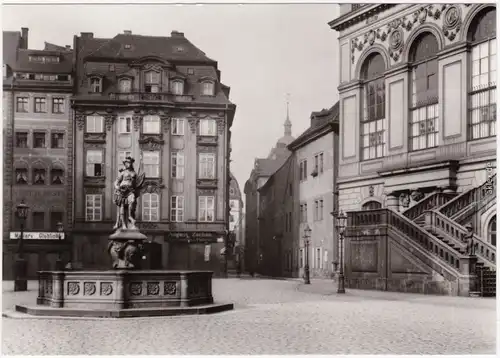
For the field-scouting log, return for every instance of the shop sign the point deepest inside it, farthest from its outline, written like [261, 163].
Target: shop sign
[28, 235]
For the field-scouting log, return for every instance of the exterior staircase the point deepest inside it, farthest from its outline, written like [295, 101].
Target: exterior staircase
[443, 215]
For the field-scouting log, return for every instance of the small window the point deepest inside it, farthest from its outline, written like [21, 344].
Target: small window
[39, 140]
[151, 124]
[177, 165]
[177, 87]
[94, 163]
[208, 127]
[57, 176]
[207, 88]
[93, 207]
[21, 176]
[39, 176]
[177, 208]
[22, 104]
[58, 105]
[111, 68]
[94, 124]
[177, 126]
[95, 85]
[128, 46]
[125, 124]
[126, 85]
[150, 207]
[57, 140]
[190, 71]
[63, 77]
[40, 105]
[21, 140]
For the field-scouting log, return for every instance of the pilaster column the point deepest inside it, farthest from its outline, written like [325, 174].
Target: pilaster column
[392, 202]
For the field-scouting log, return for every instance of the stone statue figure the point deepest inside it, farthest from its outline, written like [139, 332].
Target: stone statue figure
[127, 191]
[126, 244]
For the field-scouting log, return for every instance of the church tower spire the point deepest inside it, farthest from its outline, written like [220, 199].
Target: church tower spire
[288, 123]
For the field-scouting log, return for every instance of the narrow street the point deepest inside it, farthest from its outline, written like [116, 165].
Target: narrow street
[270, 317]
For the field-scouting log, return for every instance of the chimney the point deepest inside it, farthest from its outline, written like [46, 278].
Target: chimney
[176, 34]
[68, 47]
[24, 37]
[87, 35]
[127, 32]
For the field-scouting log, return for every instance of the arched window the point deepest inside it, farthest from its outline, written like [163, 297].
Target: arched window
[21, 173]
[150, 207]
[177, 87]
[424, 111]
[492, 231]
[371, 205]
[152, 82]
[482, 105]
[39, 173]
[207, 88]
[373, 135]
[95, 84]
[57, 174]
[125, 85]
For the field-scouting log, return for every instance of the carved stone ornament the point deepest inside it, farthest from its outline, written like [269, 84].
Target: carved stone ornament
[106, 288]
[417, 195]
[73, 288]
[193, 122]
[80, 121]
[396, 44]
[89, 288]
[153, 288]
[220, 126]
[109, 122]
[152, 186]
[452, 22]
[165, 121]
[170, 288]
[136, 288]
[371, 190]
[137, 122]
[405, 200]
[96, 138]
[151, 142]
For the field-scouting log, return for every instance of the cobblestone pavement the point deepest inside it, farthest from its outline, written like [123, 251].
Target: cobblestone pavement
[270, 317]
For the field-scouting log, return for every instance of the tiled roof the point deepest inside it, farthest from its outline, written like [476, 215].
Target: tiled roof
[64, 66]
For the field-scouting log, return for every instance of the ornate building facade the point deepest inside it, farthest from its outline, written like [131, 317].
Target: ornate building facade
[418, 133]
[161, 101]
[236, 219]
[38, 151]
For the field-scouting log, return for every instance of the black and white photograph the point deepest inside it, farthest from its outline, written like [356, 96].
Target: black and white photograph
[249, 178]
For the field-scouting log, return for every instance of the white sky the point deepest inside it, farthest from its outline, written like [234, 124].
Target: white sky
[263, 51]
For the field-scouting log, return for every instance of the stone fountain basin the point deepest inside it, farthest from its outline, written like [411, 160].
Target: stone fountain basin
[124, 293]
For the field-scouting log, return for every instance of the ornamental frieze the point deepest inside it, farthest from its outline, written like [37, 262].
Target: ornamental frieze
[94, 138]
[151, 142]
[447, 17]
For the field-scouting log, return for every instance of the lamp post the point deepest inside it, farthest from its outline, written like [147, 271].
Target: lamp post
[59, 262]
[20, 281]
[307, 235]
[341, 224]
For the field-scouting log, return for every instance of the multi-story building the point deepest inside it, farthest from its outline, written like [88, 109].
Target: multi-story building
[418, 143]
[236, 218]
[38, 151]
[159, 100]
[316, 155]
[262, 170]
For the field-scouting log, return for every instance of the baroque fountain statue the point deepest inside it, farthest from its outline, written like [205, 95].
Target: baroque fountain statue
[126, 244]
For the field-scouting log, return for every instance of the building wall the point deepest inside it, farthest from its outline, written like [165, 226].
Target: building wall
[395, 173]
[322, 248]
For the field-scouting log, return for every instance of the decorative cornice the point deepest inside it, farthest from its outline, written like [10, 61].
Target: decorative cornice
[206, 183]
[151, 142]
[356, 16]
[94, 138]
[207, 140]
[354, 84]
[96, 182]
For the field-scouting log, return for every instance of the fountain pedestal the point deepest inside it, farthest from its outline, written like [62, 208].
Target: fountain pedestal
[126, 248]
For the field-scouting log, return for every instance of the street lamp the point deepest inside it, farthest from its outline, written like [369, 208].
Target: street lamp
[341, 224]
[59, 263]
[307, 235]
[20, 281]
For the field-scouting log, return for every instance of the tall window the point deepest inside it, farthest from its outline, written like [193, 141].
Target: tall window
[124, 124]
[57, 140]
[177, 87]
[22, 104]
[21, 176]
[21, 140]
[424, 110]
[39, 176]
[94, 163]
[177, 208]
[206, 208]
[177, 165]
[93, 207]
[371, 205]
[94, 124]
[319, 163]
[39, 140]
[207, 165]
[207, 88]
[151, 124]
[208, 127]
[150, 207]
[492, 231]
[177, 126]
[40, 105]
[373, 123]
[57, 105]
[125, 85]
[482, 99]
[152, 82]
[151, 163]
[96, 85]
[303, 170]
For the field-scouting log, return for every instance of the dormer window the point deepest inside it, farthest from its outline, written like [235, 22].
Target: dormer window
[177, 87]
[96, 85]
[207, 88]
[125, 85]
[152, 82]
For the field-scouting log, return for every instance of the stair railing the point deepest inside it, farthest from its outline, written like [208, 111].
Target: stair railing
[415, 233]
[430, 202]
[474, 195]
[447, 226]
